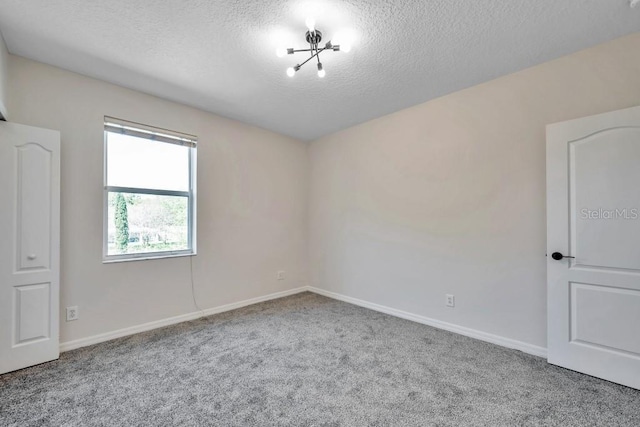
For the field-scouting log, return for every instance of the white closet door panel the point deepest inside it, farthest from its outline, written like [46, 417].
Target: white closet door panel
[34, 206]
[30, 247]
[32, 305]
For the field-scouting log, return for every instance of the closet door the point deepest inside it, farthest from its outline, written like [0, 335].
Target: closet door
[29, 245]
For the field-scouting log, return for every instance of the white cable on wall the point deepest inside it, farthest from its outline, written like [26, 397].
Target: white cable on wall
[193, 290]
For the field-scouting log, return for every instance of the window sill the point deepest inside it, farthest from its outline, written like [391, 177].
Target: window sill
[147, 257]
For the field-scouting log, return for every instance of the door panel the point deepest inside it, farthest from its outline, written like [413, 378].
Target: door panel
[603, 174]
[592, 324]
[33, 216]
[593, 214]
[30, 248]
[31, 311]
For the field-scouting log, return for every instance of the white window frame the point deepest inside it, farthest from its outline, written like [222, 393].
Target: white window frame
[112, 124]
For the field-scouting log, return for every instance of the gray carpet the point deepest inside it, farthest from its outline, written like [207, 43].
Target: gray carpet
[307, 360]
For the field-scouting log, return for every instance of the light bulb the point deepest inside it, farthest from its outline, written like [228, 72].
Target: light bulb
[344, 39]
[310, 23]
[321, 71]
[291, 72]
[281, 51]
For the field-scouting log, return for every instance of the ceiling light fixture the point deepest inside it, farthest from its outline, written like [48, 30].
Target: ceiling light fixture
[313, 37]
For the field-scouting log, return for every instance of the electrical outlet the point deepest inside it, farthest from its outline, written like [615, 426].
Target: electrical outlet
[451, 300]
[72, 313]
[280, 275]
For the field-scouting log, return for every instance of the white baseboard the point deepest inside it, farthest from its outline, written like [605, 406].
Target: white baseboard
[107, 336]
[473, 333]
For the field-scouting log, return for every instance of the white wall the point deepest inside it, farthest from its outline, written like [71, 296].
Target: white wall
[449, 196]
[252, 201]
[4, 70]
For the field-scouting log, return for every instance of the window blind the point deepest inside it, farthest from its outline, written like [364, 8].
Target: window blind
[148, 132]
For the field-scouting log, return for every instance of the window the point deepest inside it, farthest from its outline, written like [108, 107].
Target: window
[149, 192]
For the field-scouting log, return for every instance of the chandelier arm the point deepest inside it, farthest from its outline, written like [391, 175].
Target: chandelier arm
[312, 50]
[312, 46]
[311, 57]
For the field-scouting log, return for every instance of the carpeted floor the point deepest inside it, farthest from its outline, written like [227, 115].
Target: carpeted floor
[307, 360]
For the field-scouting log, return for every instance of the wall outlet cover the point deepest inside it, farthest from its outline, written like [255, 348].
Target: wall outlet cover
[72, 313]
[450, 300]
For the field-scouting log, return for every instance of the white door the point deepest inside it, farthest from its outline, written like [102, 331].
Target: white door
[593, 214]
[29, 245]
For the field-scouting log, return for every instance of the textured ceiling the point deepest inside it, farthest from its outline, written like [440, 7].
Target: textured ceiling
[219, 55]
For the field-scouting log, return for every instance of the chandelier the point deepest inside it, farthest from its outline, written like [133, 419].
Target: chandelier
[313, 37]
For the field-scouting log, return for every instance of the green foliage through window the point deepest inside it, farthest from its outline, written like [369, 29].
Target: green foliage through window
[122, 223]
